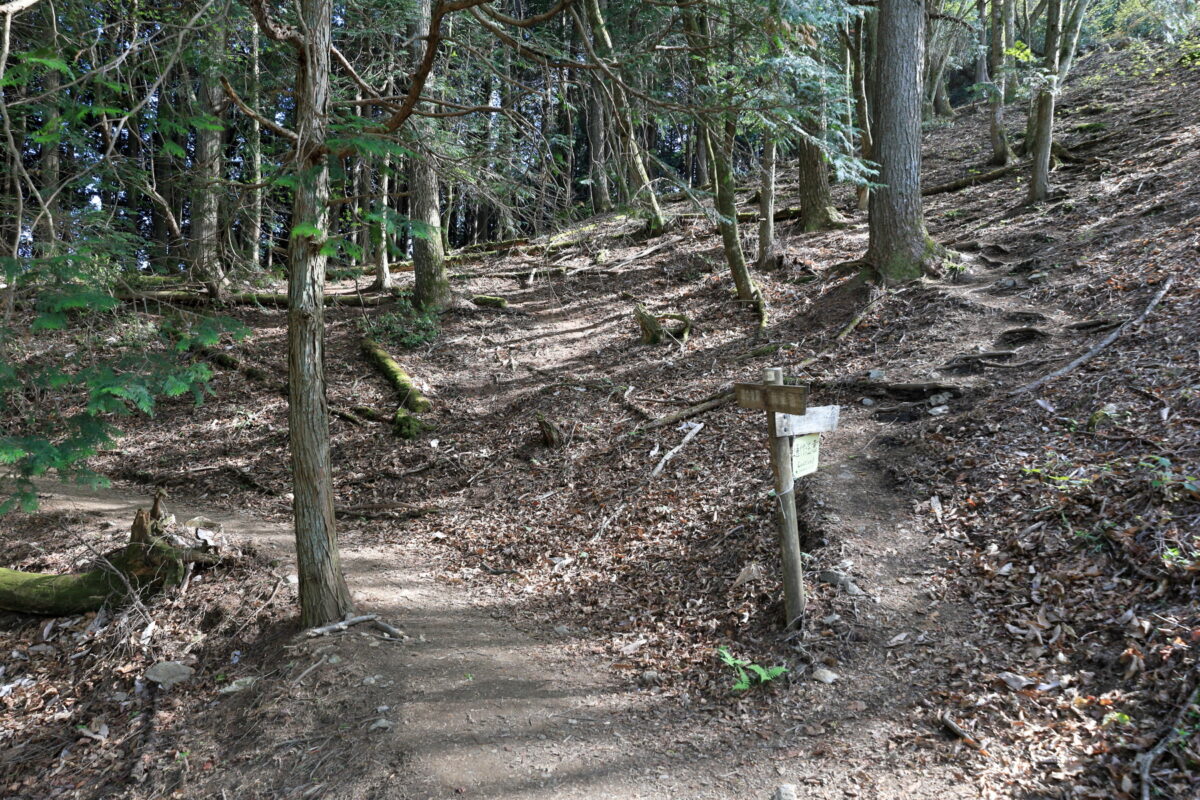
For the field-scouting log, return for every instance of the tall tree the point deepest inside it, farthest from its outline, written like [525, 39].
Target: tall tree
[899, 248]
[1001, 150]
[431, 289]
[1039, 179]
[324, 595]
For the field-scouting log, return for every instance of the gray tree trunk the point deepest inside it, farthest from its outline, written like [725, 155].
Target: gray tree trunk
[254, 215]
[900, 249]
[597, 143]
[768, 255]
[1039, 180]
[206, 205]
[324, 595]
[1070, 39]
[1001, 151]
[431, 289]
[640, 188]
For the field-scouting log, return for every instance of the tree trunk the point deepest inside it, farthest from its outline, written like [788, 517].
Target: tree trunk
[601, 200]
[703, 180]
[431, 290]
[816, 202]
[858, 52]
[726, 204]
[1070, 39]
[768, 256]
[324, 596]
[900, 249]
[1001, 151]
[49, 171]
[640, 188]
[1039, 181]
[206, 206]
[254, 216]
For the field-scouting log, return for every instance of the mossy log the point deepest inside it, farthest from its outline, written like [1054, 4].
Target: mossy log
[410, 396]
[653, 331]
[489, 301]
[147, 563]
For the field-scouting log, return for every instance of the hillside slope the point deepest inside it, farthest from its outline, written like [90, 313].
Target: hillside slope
[1020, 564]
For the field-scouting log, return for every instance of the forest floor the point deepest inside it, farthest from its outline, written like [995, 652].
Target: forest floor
[1019, 564]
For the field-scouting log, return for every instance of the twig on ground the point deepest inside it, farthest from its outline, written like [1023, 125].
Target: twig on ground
[671, 453]
[961, 733]
[1147, 759]
[340, 626]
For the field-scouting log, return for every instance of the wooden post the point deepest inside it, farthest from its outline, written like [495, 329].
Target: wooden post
[789, 528]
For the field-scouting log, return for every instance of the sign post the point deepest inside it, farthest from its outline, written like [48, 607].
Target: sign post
[788, 416]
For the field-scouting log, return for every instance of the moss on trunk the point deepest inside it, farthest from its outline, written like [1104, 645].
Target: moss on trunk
[147, 563]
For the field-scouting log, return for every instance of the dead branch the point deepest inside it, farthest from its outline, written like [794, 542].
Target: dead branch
[1105, 342]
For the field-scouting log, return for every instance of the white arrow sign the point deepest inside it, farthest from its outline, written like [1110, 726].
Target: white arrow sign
[818, 419]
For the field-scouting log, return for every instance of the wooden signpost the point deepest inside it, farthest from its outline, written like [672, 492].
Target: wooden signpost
[788, 416]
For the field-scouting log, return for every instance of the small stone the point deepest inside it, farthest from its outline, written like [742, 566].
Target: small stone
[868, 402]
[824, 675]
[562, 630]
[940, 399]
[875, 374]
[334, 659]
[650, 677]
[785, 791]
[239, 684]
[381, 725]
[168, 673]
[938, 411]
[1006, 283]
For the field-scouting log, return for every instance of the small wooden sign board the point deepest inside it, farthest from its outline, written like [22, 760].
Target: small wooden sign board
[806, 452]
[767, 397]
[817, 419]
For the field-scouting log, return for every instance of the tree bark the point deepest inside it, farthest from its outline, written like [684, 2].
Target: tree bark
[431, 290]
[862, 112]
[726, 204]
[597, 138]
[900, 249]
[206, 206]
[768, 256]
[1001, 150]
[324, 595]
[254, 215]
[1039, 180]
[1070, 39]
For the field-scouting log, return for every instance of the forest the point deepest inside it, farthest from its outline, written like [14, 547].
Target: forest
[560, 399]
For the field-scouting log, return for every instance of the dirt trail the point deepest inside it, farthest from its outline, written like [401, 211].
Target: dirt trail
[487, 703]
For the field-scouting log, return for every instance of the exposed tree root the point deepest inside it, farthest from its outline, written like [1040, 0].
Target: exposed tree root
[653, 331]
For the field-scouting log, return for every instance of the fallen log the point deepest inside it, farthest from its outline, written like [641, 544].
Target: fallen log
[489, 301]
[970, 180]
[267, 299]
[147, 563]
[410, 396]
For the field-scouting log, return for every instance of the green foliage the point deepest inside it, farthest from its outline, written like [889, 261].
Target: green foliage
[405, 327]
[747, 673]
